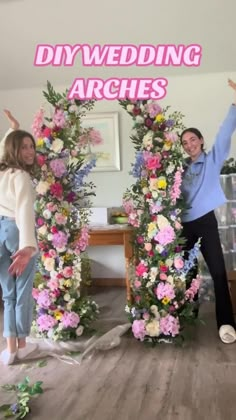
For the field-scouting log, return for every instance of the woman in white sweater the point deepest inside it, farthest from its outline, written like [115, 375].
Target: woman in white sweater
[18, 246]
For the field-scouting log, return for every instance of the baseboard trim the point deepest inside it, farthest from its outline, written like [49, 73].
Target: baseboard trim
[120, 282]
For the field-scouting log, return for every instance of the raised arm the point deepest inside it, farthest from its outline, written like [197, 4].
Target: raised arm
[14, 125]
[221, 148]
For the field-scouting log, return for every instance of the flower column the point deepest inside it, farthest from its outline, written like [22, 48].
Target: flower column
[62, 209]
[161, 302]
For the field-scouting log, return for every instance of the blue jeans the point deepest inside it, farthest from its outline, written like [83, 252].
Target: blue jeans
[16, 291]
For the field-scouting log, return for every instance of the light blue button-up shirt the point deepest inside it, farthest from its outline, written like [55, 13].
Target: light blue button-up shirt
[201, 187]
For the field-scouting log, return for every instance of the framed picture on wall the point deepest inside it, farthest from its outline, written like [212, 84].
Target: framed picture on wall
[104, 142]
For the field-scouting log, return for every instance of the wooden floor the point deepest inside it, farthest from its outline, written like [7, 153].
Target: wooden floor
[136, 382]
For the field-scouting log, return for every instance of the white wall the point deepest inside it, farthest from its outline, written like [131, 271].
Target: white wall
[203, 98]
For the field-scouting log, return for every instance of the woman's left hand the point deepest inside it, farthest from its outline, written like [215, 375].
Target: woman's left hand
[232, 84]
[20, 260]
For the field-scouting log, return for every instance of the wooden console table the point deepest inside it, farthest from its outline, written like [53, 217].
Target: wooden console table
[115, 236]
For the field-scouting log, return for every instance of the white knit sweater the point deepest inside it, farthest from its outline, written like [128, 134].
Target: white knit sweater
[17, 201]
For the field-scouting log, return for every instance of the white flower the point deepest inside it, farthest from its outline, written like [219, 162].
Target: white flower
[47, 214]
[49, 264]
[42, 187]
[159, 248]
[154, 194]
[130, 107]
[79, 331]
[67, 297]
[139, 119]
[57, 145]
[42, 230]
[127, 309]
[170, 168]
[153, 328]
[50, 236]
[145, 190]
[169, 262]
[170, 280]
[162, 221]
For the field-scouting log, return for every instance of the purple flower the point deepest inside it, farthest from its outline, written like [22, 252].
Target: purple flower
[58, 167]
[71, 197]
[148, 122]
[59, 239]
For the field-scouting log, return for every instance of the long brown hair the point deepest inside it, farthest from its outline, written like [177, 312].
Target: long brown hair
[11, 153]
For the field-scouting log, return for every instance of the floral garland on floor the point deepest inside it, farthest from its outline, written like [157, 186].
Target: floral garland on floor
[62, 211]
[162, 290]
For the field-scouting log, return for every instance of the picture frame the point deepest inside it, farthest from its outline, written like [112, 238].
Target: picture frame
[108, 152]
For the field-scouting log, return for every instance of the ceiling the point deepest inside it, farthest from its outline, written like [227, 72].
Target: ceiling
[26, 23]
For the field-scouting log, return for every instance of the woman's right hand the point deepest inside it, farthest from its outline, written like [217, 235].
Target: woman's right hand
[20, 260]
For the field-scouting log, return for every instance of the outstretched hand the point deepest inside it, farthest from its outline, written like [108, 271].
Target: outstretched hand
[14, 124]
[232, 84]
[20, 260]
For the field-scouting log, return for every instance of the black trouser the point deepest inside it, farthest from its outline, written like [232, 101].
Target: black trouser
[206, 228]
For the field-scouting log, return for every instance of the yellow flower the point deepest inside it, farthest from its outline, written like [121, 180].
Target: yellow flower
[152, 229]
[160, 118]
[40, 142]
[65, 212]
[68, 283]
[165, 300]
[162, 184]
[57, 315]
[167, 145]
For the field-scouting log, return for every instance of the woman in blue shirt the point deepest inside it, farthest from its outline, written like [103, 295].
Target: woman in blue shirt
[203, 193]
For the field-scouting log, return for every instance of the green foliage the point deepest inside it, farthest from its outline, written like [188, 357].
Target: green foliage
[24, 392]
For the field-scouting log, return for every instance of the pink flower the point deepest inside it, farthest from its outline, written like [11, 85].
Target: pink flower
[40, 221]
[141, 269]
[38, 123]
[46, 322]
[163, 276]
[165, 290]
[35, 293]
[140, 239]
[44, 299]
[67, 272]
[58, 167]
[153, 109]
[70, 319]
[52, 253]
[153, 162]
[175, 190]
[59, 239]
[137, 284]
[59, 118]
[41, 160]
[56, 190]
[60, 219]
[53, 284]
[138, 329]
[178, 263]
[171, 136]
[148, 246]
[82, 243]
[165, 236]
[169, 325]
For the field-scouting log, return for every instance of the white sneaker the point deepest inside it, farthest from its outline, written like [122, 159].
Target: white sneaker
[7, 358]
[26, 351]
